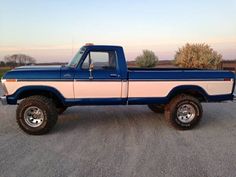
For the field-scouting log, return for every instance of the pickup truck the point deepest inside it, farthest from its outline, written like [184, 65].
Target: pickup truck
[98, 75]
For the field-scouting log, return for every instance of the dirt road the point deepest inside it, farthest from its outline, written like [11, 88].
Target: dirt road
[121, 141]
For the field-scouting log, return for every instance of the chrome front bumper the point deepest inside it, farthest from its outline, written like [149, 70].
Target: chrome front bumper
[3, 100]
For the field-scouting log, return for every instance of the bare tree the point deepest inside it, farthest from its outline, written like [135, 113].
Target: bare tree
[19, 59]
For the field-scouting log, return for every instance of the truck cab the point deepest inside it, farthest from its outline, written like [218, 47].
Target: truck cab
[99, 74]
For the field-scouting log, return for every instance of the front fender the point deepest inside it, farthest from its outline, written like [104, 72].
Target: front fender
[34, 90]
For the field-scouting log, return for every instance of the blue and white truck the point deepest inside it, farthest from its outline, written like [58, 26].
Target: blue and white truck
[98, 75]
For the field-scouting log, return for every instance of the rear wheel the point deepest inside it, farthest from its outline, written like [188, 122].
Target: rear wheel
[157, 108]
[36, 115]
[183, 112]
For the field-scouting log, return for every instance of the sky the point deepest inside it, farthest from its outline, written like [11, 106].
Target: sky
[53, 30]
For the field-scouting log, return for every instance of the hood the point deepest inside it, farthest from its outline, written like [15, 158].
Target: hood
[34, 72]
[54, 67]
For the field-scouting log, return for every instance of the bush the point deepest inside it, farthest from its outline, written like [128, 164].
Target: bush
[147, 59]
[197, 56]
[2, 64]
[3, 70]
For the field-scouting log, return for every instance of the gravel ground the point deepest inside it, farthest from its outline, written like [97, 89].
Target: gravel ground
[121, 141]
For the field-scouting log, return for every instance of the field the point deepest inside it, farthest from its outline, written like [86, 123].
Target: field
[3, 70]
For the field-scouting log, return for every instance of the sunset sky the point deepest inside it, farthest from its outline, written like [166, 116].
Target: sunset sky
[53, 30]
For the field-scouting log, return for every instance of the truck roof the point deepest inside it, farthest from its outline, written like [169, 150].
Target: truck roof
[102, 46]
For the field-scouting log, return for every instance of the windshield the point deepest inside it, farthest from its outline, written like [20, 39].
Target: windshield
[75, 60]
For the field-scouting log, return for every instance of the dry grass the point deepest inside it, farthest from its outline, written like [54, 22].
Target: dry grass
[3, 70]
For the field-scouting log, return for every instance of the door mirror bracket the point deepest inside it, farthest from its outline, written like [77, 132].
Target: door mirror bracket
[91, 66]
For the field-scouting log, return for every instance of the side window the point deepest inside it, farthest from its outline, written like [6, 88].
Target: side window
[101, 60]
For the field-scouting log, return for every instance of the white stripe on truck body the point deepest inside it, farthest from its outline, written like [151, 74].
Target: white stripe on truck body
[122, 89]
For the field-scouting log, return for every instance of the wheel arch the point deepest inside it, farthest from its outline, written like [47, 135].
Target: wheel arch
[192, 90]
[27, 91]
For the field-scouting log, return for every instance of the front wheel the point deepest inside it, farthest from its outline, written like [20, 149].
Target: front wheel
[36, 115]
[183, 112]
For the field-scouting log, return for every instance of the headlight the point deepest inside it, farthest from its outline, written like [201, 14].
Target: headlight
[4, 86]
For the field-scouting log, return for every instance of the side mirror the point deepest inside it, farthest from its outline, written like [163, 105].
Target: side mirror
[91, 66]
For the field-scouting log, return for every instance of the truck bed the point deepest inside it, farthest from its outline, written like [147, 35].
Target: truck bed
[161, 82]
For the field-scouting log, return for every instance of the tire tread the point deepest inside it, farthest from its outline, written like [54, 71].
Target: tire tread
[51, 110]
[170, 108]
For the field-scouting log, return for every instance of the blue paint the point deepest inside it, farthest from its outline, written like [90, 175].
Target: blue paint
[180, 75]
[12, 99]
[165, 100]
[121, 68]
[143, 101]
[178, 90]
[233, 89]
[219, 98]
[182, 89]
[36, 72]
[69, 74]
[95, 101]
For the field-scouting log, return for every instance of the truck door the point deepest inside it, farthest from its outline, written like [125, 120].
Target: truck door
[97, 79]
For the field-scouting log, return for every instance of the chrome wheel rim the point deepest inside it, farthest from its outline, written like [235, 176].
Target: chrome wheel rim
[34, 116]
[186, 113]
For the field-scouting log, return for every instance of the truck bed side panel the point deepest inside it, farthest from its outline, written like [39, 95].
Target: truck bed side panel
[154, 84]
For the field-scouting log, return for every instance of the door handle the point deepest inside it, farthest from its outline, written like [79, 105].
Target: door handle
[114, 75]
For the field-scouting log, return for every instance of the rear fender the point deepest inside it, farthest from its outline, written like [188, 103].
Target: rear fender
[187, 88]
